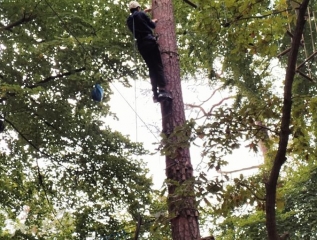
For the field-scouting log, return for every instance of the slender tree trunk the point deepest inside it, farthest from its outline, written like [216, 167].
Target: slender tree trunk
[280, 157]
[182, 207]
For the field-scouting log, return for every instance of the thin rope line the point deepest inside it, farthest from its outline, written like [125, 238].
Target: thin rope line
[135, 112]
[135, 83]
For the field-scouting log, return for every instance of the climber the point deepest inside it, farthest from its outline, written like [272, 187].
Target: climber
[142, 27]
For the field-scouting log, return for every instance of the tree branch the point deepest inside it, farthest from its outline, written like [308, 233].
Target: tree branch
[25, 138]
[42, 118]
[213, 93]
[239, 170]
[240, 17]
[190, 3]
[21, 21]
[218, 104]
[200, 105]
[280, 157]
[207, 114]
[197, 106]
[34, 146]
[208, 238]
[252, 192]
[50, 78]
[284, 236]
[264, 16]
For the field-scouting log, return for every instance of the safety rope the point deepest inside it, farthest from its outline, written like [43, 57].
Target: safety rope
[135, 83]
[136, 113]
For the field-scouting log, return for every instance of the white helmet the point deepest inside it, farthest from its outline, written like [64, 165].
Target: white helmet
[134, 4]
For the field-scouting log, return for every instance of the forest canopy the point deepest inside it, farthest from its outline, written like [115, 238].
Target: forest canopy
[65, 173]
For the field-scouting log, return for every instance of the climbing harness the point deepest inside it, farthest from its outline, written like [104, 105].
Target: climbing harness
[135, 82]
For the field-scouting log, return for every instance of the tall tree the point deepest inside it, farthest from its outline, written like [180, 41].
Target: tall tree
[179, 171]
[281, 157]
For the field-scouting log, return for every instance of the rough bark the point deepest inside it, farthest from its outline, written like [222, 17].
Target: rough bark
[182, 208]
[280, 157]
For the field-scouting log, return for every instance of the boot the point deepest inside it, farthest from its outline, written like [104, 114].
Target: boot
[163, 95]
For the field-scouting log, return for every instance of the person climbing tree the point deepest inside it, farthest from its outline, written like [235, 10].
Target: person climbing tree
[142, 27]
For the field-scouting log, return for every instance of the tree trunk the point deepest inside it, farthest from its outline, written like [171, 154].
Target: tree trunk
[280, 157]
[182, 207]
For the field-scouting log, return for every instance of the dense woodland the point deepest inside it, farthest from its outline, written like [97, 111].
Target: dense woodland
[65, 174]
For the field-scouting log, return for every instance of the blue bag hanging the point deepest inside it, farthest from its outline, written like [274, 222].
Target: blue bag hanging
[97, 93]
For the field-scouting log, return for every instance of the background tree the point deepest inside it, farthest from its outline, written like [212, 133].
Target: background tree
[245, 37]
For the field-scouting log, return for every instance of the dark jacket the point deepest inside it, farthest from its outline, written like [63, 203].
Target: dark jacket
[143, 25]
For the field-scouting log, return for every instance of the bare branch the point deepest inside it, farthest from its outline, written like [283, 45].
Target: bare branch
[284, 52]
[197, 106]
[218, 104]
[252, 192]
[206, 114]
[305, 76]
[306, 60]
[213, 93]
[239, 170]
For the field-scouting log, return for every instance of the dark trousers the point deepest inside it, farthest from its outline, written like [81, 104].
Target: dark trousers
[150, 52]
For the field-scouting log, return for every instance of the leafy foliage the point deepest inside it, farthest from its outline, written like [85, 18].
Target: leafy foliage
[295, 216]
[71, 175]
[239, 43]
[61, 166]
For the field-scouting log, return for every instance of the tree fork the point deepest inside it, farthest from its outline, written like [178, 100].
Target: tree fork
[179, 170]
[280, 157]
